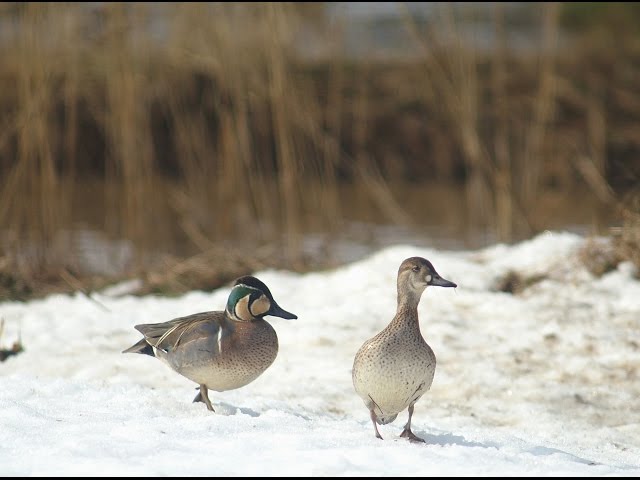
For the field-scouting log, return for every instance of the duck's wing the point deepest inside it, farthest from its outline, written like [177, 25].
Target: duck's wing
[168, 335]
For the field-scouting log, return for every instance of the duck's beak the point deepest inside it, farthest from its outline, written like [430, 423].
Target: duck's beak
[438, 281]
[276, 311]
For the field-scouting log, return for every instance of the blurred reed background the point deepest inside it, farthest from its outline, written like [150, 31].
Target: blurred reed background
[188, 143]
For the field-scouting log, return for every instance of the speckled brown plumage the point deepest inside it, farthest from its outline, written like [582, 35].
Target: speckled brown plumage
[223, 354]
[220, 350]
[392, 370]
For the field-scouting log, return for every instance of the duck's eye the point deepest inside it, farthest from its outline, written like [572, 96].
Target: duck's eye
[416, 268]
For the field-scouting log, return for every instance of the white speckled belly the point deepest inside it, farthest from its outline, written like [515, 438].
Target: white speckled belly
[393, 374]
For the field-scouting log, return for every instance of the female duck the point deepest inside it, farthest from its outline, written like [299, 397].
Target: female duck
[392, 370]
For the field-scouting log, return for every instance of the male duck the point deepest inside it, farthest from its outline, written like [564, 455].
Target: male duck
[221, 350]
[392, 370]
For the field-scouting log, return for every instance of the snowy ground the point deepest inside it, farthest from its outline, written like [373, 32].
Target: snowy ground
[544, 382]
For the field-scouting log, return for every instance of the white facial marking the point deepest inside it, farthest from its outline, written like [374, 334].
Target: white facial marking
[260, 306]
[242, 309]
[428, 278]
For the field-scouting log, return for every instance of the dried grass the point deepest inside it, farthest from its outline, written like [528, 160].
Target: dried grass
[215, 132]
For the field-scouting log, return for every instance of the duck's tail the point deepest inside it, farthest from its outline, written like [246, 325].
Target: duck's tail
[141, 347]
[383, 420]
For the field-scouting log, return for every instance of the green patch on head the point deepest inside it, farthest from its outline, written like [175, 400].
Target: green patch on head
[238, 292]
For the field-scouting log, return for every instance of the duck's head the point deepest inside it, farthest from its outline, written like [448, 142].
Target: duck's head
[416, 273]
[250, 299]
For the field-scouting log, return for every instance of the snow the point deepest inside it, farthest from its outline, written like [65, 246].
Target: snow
[545, 381]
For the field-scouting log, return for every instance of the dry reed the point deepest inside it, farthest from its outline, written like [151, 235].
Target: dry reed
[205, 127]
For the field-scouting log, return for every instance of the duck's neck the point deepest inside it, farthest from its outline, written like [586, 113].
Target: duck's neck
[408, 297]
[407, 312]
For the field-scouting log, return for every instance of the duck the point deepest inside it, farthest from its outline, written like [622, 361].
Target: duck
[219, 350]
[395, 368]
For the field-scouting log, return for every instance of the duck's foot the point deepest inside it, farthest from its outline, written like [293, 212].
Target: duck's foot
[203, 396]
[406, 433]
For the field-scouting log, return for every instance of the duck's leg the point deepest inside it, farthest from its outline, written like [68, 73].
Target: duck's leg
[375, 424]
[203, 396]
[407, 433]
